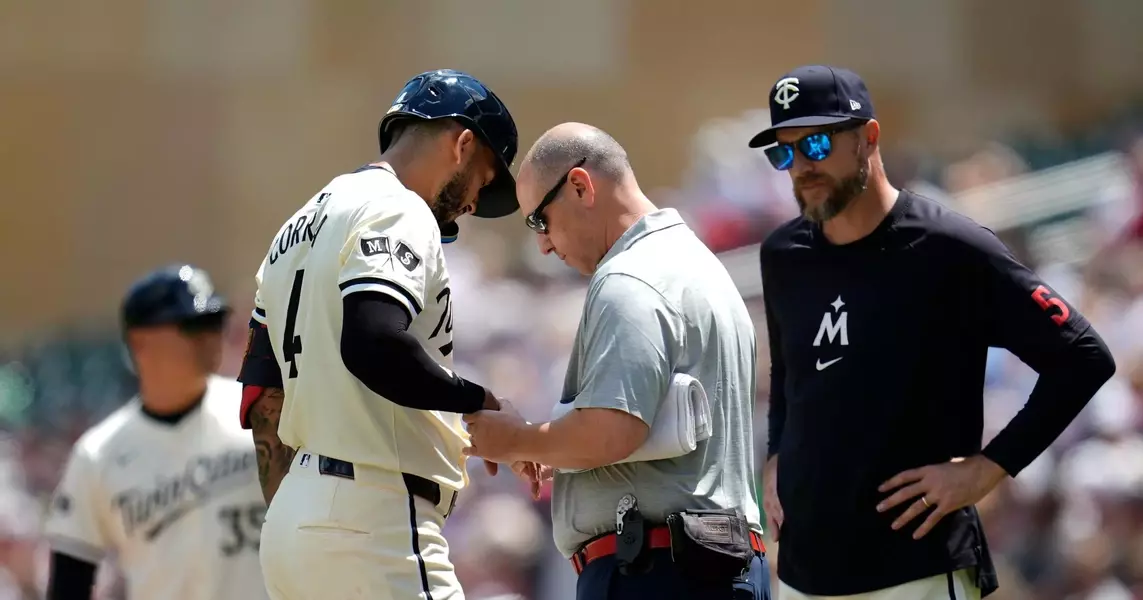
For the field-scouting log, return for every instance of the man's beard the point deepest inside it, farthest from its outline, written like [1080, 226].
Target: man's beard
[842, 194]
[447, 208]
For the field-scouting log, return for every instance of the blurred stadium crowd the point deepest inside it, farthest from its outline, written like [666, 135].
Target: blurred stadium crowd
[1069, 527]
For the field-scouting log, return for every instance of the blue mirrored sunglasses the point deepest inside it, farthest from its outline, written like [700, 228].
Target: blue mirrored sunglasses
[815, 146]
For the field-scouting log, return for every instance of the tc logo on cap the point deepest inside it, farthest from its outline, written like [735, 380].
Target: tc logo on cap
[786, 91]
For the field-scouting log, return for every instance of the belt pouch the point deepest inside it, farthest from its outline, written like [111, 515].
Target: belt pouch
[710, 545]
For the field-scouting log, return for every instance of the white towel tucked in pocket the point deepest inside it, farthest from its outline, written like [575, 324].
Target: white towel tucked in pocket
[682, 422]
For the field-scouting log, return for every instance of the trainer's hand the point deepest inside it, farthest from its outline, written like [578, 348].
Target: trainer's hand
[534, 473]
[770, 502]
[493, 434]
[943, 488]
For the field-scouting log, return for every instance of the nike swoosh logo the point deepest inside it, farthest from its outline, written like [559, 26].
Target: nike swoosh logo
[825, 365]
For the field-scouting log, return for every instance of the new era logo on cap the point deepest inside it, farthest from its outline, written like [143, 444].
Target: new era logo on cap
[812, 96]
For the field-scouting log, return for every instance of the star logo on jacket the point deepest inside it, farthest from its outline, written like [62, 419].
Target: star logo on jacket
[832, 330]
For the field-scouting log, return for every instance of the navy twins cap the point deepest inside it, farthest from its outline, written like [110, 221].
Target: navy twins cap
[815, 95]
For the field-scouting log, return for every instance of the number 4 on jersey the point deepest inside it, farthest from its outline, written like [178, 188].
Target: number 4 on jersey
[292, 344]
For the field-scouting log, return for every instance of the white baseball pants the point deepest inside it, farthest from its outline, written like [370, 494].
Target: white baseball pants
[331, 538]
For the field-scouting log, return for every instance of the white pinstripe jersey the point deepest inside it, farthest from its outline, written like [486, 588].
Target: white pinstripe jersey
[364, 231]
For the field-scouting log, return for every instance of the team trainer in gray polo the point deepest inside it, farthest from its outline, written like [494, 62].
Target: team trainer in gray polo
[659, 304]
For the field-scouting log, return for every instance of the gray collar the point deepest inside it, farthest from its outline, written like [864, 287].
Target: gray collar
[647, 224]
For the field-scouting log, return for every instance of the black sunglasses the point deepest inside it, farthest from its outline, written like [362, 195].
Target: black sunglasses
[815, 146]
[535, 220]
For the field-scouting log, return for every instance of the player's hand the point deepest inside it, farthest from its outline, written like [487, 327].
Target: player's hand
[534, 473]
[493, 434]
[770, 502]
[491, 402]
[507, 407]
[940, 489]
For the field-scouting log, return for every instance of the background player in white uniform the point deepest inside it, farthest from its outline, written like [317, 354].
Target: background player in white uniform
[166, 483]
[354, 313]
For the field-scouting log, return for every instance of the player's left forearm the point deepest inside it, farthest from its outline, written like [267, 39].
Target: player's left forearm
[274, 457]
[1061, 392]
[377, 348]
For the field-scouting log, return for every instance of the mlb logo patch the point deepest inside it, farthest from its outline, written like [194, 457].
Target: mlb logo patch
[305, 462]
[375, 246]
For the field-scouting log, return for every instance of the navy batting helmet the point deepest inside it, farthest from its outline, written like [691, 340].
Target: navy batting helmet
[449, 94]
[173, 295]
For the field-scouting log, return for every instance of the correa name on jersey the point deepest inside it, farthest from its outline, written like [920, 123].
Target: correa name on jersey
[305, 229]
[156, 508]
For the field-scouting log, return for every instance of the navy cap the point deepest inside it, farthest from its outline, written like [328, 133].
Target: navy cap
[815, 95]
[173, 294]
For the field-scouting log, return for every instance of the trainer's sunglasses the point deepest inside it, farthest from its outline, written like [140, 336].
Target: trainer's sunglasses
[815, 146]
[535, 220]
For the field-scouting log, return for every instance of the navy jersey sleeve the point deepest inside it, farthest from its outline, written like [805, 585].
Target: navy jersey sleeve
[1022, 314]
[777, 415]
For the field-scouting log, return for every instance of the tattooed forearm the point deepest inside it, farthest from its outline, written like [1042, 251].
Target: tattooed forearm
[274, 457]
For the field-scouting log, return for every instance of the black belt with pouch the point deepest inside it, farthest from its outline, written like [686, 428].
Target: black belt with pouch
[711, 545]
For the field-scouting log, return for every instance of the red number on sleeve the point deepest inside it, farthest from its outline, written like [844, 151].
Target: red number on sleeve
[1040, 296]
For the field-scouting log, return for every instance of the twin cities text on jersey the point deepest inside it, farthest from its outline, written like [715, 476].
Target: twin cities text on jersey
[305, 229]
[157, 507]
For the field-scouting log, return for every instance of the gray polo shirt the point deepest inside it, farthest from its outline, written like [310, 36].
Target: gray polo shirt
[661, 303]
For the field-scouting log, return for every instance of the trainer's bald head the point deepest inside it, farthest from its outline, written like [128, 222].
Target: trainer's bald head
[579, 217]
[564, 145]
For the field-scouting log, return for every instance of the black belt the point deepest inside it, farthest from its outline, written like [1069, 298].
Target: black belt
[417, 485]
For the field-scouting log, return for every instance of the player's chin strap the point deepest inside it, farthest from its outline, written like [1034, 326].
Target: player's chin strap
[449, 232]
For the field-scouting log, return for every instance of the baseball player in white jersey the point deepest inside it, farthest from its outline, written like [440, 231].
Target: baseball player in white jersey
[166, 484]
[348, 387]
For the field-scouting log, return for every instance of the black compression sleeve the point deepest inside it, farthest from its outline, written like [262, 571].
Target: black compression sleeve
[377, 348]
[71, 578]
